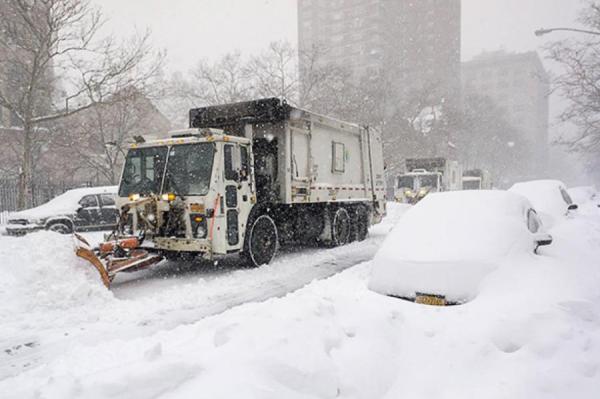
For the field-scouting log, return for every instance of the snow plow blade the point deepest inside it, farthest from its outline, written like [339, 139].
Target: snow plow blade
[84, 251]
[106, 261]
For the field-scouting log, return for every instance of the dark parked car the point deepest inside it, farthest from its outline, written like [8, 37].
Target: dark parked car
[81, 209]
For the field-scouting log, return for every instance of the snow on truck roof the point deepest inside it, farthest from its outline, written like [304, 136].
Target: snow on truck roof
[265, 110]
[66, 203]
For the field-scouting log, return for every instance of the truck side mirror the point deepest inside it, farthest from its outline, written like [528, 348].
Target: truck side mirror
[573, 207]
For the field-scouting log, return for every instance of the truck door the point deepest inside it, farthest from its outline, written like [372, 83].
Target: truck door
[238, 195]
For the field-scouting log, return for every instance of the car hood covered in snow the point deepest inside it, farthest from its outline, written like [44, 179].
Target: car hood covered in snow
[65, 204]
[448, 242]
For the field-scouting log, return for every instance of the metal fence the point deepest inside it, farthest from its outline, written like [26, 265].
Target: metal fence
[4, 216]
[42, 192]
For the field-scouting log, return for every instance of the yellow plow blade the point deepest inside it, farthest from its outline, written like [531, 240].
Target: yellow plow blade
[83, 250]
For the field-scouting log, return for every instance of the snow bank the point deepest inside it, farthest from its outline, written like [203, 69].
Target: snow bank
[582, 195]
[533, 332]
[40, 271]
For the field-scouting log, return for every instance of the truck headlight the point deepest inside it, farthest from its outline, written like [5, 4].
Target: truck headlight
[201, 232]
[423, 192]
[409, 193]
[134, 197]
[198, 223]
[168, 197]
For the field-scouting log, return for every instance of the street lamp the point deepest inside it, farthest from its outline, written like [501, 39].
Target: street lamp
[542, 32]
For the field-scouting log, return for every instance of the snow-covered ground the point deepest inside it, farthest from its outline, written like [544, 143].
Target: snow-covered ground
[533, 331]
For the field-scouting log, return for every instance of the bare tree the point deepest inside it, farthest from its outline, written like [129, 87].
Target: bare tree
[101, 133]
[579, 83]
[274, 73]
[209, 83]
[44, 42]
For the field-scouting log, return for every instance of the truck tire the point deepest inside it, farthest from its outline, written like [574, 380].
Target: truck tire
[340, 227]
[60, 227]
[361, 229]
[261, 243]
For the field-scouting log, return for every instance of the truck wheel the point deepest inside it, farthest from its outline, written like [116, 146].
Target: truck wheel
[60, 227]
[340, 227]
[362, 223]
[261, 243]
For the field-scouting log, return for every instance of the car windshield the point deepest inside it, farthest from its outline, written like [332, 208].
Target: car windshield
[428, 181]
[189, 169]
[406, 182]
[144, 168]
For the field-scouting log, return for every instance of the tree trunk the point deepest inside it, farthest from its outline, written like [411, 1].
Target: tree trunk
[25, 199]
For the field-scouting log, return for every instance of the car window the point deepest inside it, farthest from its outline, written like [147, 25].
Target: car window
[89, 201]
[566, 196]
[533, 221]
[107, 200]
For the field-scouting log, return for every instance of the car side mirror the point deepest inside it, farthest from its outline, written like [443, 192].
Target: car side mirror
[573, 207]
[542, 240]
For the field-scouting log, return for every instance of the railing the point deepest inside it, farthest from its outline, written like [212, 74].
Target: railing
[41, 193]
[4, 216]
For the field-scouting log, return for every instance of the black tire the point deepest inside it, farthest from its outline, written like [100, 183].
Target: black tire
[362, 223]
[340, 227]
[261, 243]
[60, 227]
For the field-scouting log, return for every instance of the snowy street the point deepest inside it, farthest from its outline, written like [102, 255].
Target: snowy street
[533, 330]
[60, 305]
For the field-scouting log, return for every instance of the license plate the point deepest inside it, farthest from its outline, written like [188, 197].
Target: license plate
[432, 300]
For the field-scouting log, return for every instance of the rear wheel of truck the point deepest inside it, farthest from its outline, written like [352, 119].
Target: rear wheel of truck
[340, 227]
[261, 243]
[361, 228]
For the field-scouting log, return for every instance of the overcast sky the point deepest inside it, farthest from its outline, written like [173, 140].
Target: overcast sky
[191, 29]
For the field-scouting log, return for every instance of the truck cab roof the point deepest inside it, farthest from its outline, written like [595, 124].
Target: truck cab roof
[189, 136]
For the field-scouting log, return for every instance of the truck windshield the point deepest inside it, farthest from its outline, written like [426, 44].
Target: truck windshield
[428, 181]
[406, 182]
[189, 169]
[143, 172]
[474, 184]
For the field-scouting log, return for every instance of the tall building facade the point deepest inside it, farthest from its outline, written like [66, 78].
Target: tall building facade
[518, 84]
[415, 43]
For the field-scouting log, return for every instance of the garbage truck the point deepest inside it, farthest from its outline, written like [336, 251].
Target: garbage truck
[243, 179]
[427, 175]
[477, 179]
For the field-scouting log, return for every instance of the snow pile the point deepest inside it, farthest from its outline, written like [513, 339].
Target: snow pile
[41, 272]
[449, 242]
[64, 204]
[533, 332]
[582, 195]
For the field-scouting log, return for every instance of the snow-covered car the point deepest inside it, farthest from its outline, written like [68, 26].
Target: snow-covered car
[81, 209]
[549, 197]
[584, 194]
[441, 249]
